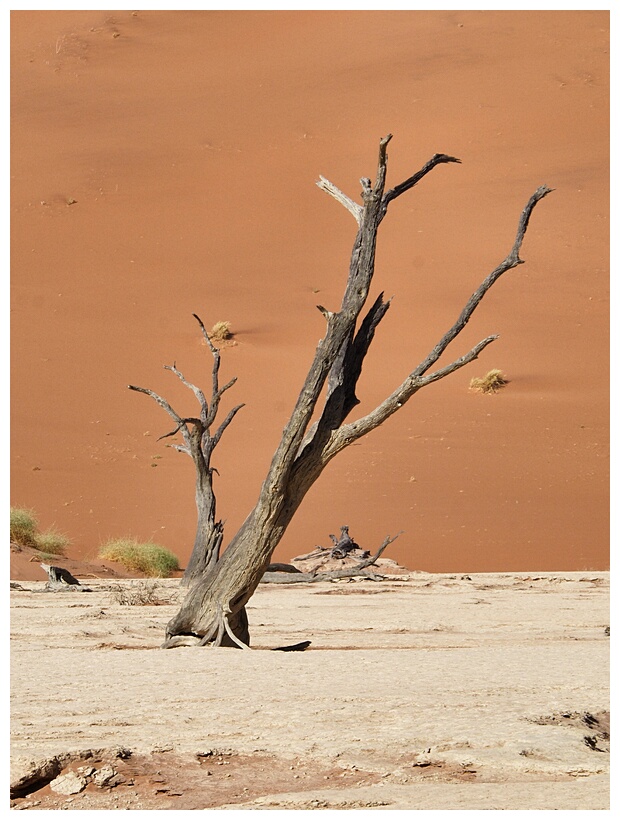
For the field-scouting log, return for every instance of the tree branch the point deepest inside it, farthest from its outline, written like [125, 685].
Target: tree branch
[382, 166]
[340, 330]
[351, 432]
[215, 391]
[342, 383]
[162, 402]
[456, 365]
[511, 261]
[220, 430]
[172, 432]
[180, 448]
[349, 204]
[437, 159]
[204, 407]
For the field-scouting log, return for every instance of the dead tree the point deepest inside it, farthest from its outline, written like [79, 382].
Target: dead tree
[214, 608]
[357, 570]
[199, 443]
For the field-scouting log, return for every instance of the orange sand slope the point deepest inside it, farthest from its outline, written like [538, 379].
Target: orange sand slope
[163, 163]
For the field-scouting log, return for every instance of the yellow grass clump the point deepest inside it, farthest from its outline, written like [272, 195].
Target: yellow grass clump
[491, 383]
[24, 526]
[52, 542]
[151, 559]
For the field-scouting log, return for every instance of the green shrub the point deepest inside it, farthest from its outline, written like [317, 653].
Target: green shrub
[23, 527]
[51, 542]
[151, 559]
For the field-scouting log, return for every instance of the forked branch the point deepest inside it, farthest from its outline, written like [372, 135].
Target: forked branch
[435, 160]
[416, 380]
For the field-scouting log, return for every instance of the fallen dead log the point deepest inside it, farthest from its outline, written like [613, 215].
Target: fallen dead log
[282, 568]
[358, 570]
[309, 578]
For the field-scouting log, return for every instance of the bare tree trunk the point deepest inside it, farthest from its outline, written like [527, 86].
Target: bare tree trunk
[214, 606]
[209, 531]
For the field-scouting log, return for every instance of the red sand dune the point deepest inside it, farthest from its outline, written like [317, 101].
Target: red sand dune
[163, 163]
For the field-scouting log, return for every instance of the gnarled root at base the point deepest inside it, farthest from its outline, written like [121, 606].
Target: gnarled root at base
[227, 629]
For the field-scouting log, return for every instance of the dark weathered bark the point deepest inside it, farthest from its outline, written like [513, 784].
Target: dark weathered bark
[343, 545]
[277, 567]
[216, 599]
[199, 443]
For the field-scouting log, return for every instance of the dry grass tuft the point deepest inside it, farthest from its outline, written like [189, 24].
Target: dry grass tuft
[52, 542]
[220, 332]
[491, 383]
[143, 593]
[25, 532]
[24, 526]
[151, 559]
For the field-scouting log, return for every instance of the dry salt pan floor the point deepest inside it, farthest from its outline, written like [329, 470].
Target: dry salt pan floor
[486, 691]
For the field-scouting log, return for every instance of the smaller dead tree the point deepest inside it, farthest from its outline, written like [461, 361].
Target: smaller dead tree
[200, 440]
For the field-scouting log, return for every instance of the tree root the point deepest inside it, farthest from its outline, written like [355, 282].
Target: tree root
[220, 633]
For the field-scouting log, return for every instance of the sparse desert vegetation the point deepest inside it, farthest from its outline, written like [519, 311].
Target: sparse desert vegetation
[221, 332]
[24, 527]
[151, 559]
[52, 542]
[141, 593]
[491, 383]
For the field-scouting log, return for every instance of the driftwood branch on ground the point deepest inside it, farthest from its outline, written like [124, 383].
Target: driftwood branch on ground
[357, 571]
